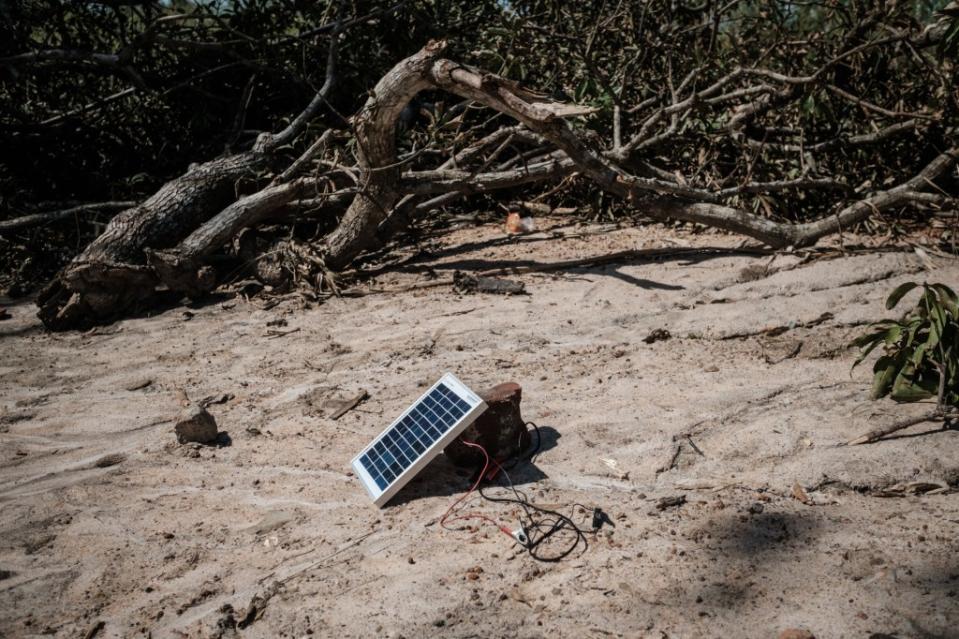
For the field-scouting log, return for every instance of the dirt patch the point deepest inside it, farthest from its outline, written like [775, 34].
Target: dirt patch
[104, 518]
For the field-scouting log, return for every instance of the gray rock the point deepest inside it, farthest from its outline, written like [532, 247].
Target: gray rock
[138, 383]
[195, 424]
[271, 521]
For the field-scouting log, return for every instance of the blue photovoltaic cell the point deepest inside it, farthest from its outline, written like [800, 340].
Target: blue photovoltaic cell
[400, 447]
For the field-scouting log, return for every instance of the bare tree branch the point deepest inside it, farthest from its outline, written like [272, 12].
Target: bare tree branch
[38, 219]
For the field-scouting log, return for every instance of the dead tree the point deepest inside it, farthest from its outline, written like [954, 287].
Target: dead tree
[111, 274]
[168, 238]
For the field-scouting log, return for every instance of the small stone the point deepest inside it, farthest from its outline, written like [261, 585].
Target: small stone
[109, 460]
[670, 502]
[137, 384]
[195, 424]
[657, 335]
[271, 521]
[756, 508]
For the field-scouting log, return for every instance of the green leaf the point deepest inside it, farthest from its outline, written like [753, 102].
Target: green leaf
[940, 312]
[885, 371]
[893, 334]
[914, 326]
[935, 333]
[868, 338]
[898, 293]
[904, 390]
[865, 353]
[918, 354]
[945, 292]
[948, 300]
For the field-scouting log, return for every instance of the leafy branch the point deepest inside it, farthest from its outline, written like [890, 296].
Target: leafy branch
[919, 359]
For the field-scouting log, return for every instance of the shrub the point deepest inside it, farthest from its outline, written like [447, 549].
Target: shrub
[920, 351]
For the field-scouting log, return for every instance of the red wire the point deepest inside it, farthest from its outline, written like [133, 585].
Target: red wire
[444, 519]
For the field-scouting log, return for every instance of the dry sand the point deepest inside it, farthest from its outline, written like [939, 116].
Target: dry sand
[108, 526]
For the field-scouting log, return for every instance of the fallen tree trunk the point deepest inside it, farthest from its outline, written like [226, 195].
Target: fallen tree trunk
[111, 274]
[661, 199]
[167, 238]
[375, 130]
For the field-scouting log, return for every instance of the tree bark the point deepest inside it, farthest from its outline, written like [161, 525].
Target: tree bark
[111, 274]
[166, 238]
[660, 198]
[375, 128]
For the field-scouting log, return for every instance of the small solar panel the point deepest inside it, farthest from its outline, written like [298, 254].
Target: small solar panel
[416, 437]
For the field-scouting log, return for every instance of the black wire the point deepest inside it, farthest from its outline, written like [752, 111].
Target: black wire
[530, 454]
[539, 531]
[539, 442]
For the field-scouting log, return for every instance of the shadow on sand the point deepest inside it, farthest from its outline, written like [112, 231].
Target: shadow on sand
[441, 478]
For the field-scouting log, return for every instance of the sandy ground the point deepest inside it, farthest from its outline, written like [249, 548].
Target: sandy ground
[109, 527]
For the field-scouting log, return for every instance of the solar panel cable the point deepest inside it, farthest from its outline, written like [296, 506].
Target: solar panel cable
[540, 528]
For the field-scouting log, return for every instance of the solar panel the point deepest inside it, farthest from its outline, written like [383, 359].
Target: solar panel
[416, 437]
